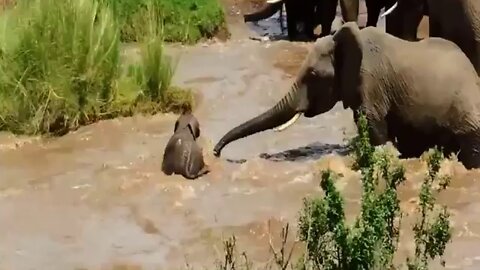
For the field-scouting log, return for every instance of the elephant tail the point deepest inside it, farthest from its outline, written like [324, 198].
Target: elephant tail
[266, 12]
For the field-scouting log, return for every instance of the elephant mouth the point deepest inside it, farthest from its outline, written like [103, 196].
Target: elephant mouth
[288, 123]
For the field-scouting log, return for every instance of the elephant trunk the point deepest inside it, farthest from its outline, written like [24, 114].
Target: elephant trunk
[266, 12]
[284, 113]
[349, 9]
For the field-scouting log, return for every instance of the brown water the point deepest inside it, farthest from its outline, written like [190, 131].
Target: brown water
[97, 199]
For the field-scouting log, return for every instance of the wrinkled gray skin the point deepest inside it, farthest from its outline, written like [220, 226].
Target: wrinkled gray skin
[410, 92]
[309, 12]
[455, 20]
[458, 21]
[182, 154]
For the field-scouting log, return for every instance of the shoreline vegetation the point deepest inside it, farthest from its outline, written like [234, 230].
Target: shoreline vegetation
[186, 21]
[61, 65]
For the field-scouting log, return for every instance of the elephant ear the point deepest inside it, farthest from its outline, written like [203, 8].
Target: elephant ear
[176, 126]
[194, 130]
[347, 62]
[194, 127]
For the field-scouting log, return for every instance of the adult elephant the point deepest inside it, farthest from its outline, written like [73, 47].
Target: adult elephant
[396, 83]
[402, 23]
[309, 12]
[373, 10]
[455, 20]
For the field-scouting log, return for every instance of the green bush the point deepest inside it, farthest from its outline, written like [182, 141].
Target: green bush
[60, 67]
[184, 20]
[371, 242]
[155, 71]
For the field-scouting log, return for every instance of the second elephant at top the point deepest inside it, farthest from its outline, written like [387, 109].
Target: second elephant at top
[310, 13]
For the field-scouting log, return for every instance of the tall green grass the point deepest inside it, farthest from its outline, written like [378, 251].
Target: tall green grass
[59, 60]
[60, 67]
[155, 71]
[185, 21]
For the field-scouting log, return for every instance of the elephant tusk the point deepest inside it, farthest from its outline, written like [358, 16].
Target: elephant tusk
[390, 10]
[273, 1]
[289, 123]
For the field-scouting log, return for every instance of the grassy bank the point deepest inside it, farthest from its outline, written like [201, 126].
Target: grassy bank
[60, 68]
[185, 21]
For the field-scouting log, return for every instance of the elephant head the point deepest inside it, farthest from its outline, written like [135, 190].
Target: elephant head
[330, 73]
[188, 121]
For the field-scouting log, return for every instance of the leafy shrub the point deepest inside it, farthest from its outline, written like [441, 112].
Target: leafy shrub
[371, 242]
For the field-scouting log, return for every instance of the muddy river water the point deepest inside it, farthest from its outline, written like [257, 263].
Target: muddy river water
[97, 199]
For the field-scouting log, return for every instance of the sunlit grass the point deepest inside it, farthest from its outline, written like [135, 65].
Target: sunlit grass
[60, 67]
[185, 20]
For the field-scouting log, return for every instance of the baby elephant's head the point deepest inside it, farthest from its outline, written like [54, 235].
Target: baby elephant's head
[188, 121]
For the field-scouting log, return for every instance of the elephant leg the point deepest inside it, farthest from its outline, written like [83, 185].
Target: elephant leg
[292, 28]
[349, 9]
[310, 22]
[327, 15]
[435, 29]
[378, 132]
[411, 19]
[470, 150]
[305, 11]
[377, 128]
[412, 144]
[281, 19]
[373, 11]
[394, 22]
[292, 20]
[413, 35]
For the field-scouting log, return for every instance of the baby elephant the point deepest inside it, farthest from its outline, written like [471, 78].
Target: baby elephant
[182, 154]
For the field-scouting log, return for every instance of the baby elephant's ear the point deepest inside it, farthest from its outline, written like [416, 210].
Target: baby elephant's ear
[176, 126]
[194, 127]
